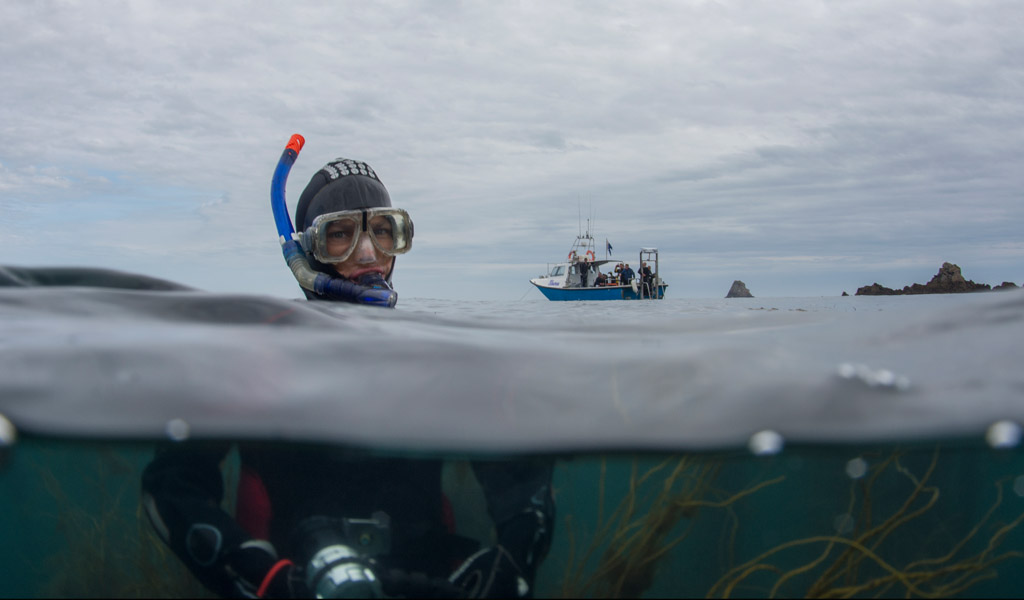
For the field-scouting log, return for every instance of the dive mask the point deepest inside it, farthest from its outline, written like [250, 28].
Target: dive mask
[332, 237]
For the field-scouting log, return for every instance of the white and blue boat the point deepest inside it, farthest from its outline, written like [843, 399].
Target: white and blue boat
[583, 276]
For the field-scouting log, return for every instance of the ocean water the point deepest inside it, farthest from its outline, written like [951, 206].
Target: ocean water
[704, 447]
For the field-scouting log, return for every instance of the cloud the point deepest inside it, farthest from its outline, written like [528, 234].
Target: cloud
[13, 181]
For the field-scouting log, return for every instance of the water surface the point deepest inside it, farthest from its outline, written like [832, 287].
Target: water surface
[726, 447]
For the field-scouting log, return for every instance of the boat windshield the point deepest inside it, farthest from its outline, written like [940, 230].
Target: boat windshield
[558, 270]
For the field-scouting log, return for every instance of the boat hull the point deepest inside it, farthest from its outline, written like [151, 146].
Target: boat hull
[610, 292]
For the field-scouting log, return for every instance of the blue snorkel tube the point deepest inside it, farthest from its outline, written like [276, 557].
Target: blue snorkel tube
[335, 288]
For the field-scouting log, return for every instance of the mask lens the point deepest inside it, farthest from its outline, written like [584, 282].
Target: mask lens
[382, 228]
[390, 230]
[339, 236]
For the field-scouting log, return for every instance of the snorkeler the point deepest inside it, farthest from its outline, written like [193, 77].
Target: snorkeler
[329, 522]
[349, 229]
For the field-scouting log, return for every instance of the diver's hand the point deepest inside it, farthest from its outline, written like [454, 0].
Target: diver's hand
[491, 573]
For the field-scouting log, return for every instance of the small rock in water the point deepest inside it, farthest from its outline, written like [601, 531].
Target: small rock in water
[739, 290]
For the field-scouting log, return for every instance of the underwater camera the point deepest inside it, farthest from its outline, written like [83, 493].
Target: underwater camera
[338, 554]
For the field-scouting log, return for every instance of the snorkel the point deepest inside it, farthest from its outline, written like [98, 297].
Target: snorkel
[371, 289]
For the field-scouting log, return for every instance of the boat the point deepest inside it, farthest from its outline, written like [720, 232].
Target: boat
[577, 278]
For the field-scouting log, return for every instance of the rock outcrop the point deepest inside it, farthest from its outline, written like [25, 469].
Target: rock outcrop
[876, 289]
[948, 280]
[1006, 285]
[739, 290]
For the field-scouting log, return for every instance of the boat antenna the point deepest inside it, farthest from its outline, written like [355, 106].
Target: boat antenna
[579, 216]
[593, 217]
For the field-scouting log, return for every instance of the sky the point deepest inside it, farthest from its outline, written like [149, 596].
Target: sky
[804, 147]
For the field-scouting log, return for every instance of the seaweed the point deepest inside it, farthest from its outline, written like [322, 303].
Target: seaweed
[637, 537]
[896, 539]
[104, 544]
[856, 565]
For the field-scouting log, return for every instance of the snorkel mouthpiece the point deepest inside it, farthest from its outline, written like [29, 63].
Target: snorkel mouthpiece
[371, 289]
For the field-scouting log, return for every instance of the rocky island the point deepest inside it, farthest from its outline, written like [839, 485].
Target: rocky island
[949, 280]
[739, 290]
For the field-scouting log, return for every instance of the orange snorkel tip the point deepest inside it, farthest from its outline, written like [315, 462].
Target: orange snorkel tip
[295, 143]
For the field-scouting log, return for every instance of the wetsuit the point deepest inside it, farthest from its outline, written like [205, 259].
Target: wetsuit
[647, 277]
[282, 486]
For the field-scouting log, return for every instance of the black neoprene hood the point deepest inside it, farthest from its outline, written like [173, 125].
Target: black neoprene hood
[342, 184]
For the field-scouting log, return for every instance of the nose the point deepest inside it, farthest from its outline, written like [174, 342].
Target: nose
[365, 251]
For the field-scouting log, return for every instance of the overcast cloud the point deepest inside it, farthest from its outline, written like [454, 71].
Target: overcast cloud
[805, 147]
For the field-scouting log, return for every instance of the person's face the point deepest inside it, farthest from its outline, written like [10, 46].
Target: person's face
[365, 258]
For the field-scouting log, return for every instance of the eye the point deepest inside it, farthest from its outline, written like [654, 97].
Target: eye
[381, 228]
[339, 232]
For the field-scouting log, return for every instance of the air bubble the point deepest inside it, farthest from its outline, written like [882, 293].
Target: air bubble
[766, 443]
[883, 378]
[8, 434]
[857, 468]
[1003, 434]
[1018, 486]
[178, 430]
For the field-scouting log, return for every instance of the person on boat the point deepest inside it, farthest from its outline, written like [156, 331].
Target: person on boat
[583, 268]
[647, 277]
[626, 275]
[601, 279]
[327, 521]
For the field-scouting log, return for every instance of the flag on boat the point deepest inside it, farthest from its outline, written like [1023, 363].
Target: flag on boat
[609, 246]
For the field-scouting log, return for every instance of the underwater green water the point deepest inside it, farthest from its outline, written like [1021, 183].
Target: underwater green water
[873, 520]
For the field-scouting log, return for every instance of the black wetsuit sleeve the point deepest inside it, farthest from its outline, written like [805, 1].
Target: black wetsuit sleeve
[521, 504]
[182, 491]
